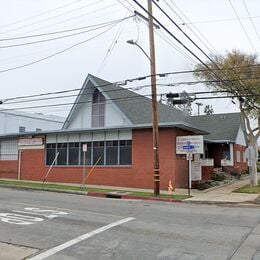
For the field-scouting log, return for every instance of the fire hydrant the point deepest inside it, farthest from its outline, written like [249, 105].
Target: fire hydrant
[170, 188]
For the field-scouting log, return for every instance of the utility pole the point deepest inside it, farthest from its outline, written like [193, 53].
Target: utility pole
[199, 104]
[156, 170]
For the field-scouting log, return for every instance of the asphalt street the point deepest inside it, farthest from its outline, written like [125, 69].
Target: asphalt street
[48, 225]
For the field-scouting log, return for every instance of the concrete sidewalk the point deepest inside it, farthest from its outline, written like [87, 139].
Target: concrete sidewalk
[224, 194]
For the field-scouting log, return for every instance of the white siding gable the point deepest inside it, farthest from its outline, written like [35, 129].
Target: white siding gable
[240, 137]
[82, 114]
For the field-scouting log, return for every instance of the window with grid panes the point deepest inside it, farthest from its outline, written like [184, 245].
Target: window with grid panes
[111, 152]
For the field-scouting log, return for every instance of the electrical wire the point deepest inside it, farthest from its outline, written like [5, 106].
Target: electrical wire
[219, 20]
[112, 45]
[43, 13]
[199, 32]
[212, 61]
[121, 99]
[96, 27]
[56, 32]
[72, 18]
[242, 26]
[50, 18]
[124, 82]
[251, 19]
[187, 83]
[57, 53]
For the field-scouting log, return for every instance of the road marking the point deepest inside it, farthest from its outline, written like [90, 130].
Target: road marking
[76, 240]
[42, 212]
[18, 219]
[67, 209]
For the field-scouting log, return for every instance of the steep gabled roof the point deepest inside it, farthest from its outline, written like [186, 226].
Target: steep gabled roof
[222, 127]
[136, 108]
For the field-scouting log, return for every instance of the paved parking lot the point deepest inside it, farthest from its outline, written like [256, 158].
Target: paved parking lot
[46, 225]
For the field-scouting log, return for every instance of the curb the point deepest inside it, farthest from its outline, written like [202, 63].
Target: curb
[91, 194]
[123, 196]
[126, 196]
[42, 189]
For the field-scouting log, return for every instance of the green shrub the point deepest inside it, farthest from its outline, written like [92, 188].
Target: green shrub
[219, 176]
[236, 174]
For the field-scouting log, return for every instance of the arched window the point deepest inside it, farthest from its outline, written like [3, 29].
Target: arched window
[98, 109]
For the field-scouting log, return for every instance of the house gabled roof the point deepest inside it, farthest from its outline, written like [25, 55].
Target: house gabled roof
[222, 127]
[135, 107]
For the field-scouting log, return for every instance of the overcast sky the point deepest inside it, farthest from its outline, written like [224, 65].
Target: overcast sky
[105, 52]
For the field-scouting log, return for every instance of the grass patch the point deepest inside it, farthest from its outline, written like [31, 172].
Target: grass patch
[246, 189]
[149, 194]
[49, 186]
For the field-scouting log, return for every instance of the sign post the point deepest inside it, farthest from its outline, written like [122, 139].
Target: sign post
[189, 158]
[189, 145]
[84, 149]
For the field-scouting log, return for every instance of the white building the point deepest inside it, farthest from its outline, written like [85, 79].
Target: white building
[21, 122]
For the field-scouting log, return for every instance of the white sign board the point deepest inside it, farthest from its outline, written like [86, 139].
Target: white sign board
[30, 141]
[189, 143]
[84, 147]
[195, 171]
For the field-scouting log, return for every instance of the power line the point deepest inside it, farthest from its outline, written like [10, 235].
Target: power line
[106, 91]
[43, 13]
[50, 18]
[242, 26]
[212, 61]
[205, 39]
[57, 53]
[72, 18]
[97, 27]
[124, 82]
[121, 99]
[251, 19]
[219, 20]
[58, 32]
[183, 45]
[112, 45]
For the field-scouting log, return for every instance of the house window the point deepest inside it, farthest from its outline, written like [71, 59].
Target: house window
[73, 153]
[112, 153]
[244, 157]
[98, 109]
[98, 152]
[50, 153]
[62, 157]
[21, 129]
[238, 156]
[125, 152]
[8, 149]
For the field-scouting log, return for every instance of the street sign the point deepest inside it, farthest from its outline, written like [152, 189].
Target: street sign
[189, 143]
[84, 147]
[188, 147]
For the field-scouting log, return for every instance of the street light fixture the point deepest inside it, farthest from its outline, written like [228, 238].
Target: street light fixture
[132, 42]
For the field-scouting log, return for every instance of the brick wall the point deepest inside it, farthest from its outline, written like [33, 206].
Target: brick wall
[239, 166]
[9, 169]
[140, 175]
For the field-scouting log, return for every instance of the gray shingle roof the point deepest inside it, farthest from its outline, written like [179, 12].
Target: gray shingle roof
[137, 107]
[220, 126]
